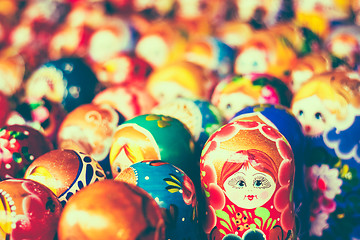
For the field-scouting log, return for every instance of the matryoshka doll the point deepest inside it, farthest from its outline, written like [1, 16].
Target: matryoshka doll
[282, 119]
[234, 93]
[247, 174]
[153, 137]
[173, 190]
[20, 145]
[29, 210]
[266, 52]
[89, 128]
[111, 210]
[180, 79]
[328, 107]
[68, 81]
[65, 172]
[201, 117]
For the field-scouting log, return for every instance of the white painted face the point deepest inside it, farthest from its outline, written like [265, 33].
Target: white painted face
[252, 60]
[164, 91]
[153, 49]
[249, 188]
[313, 115]
[230, 104]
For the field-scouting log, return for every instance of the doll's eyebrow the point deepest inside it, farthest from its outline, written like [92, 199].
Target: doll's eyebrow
[262, 174]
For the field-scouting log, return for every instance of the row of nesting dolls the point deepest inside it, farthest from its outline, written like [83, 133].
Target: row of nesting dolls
[266, 202]
[116, 45]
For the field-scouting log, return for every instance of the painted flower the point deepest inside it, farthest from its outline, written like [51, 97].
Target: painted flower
[324, 205]
[326, 180]
[162, 121]
[319, 224]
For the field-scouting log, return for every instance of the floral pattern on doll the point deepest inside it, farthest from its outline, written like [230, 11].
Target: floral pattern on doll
[326, 185]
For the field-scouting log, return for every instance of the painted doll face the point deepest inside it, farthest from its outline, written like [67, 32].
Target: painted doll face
[249, 188]
[251, 60]
[313, 115]
[230, 104]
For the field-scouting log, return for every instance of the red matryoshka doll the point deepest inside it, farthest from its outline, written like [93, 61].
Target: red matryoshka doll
[153, 137]
[129, 99]
[262, 12]
[201, 117]
[89, 128]
[181, 79]
[122, 69]
[233, 94]
[247, 174]
[173, 190]
[117, 211]
[65, 172]
[19, 147]
[281, 118]
[328, 107]
[115, 36]
[12, 70]
[266, 52]
[343, 43]
[307, 66]
[234, 33]
[28, 209]
[211, 54]
[319, 16]
[69, 81]
[161, 44]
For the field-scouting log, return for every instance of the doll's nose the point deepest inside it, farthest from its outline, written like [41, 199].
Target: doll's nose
[307, 128]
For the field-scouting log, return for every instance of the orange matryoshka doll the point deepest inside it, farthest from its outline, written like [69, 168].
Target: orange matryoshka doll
[247, 174]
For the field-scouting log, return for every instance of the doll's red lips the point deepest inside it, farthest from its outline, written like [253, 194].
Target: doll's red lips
[250, 197]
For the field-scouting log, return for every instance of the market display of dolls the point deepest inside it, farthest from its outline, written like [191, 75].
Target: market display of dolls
[180, 119]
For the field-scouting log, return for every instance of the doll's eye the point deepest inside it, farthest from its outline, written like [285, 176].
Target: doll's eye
[118, 169]
[237, 182]
[241, 183]
[228, 106]
[319, 116]
[301, 112]
[261, 182]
